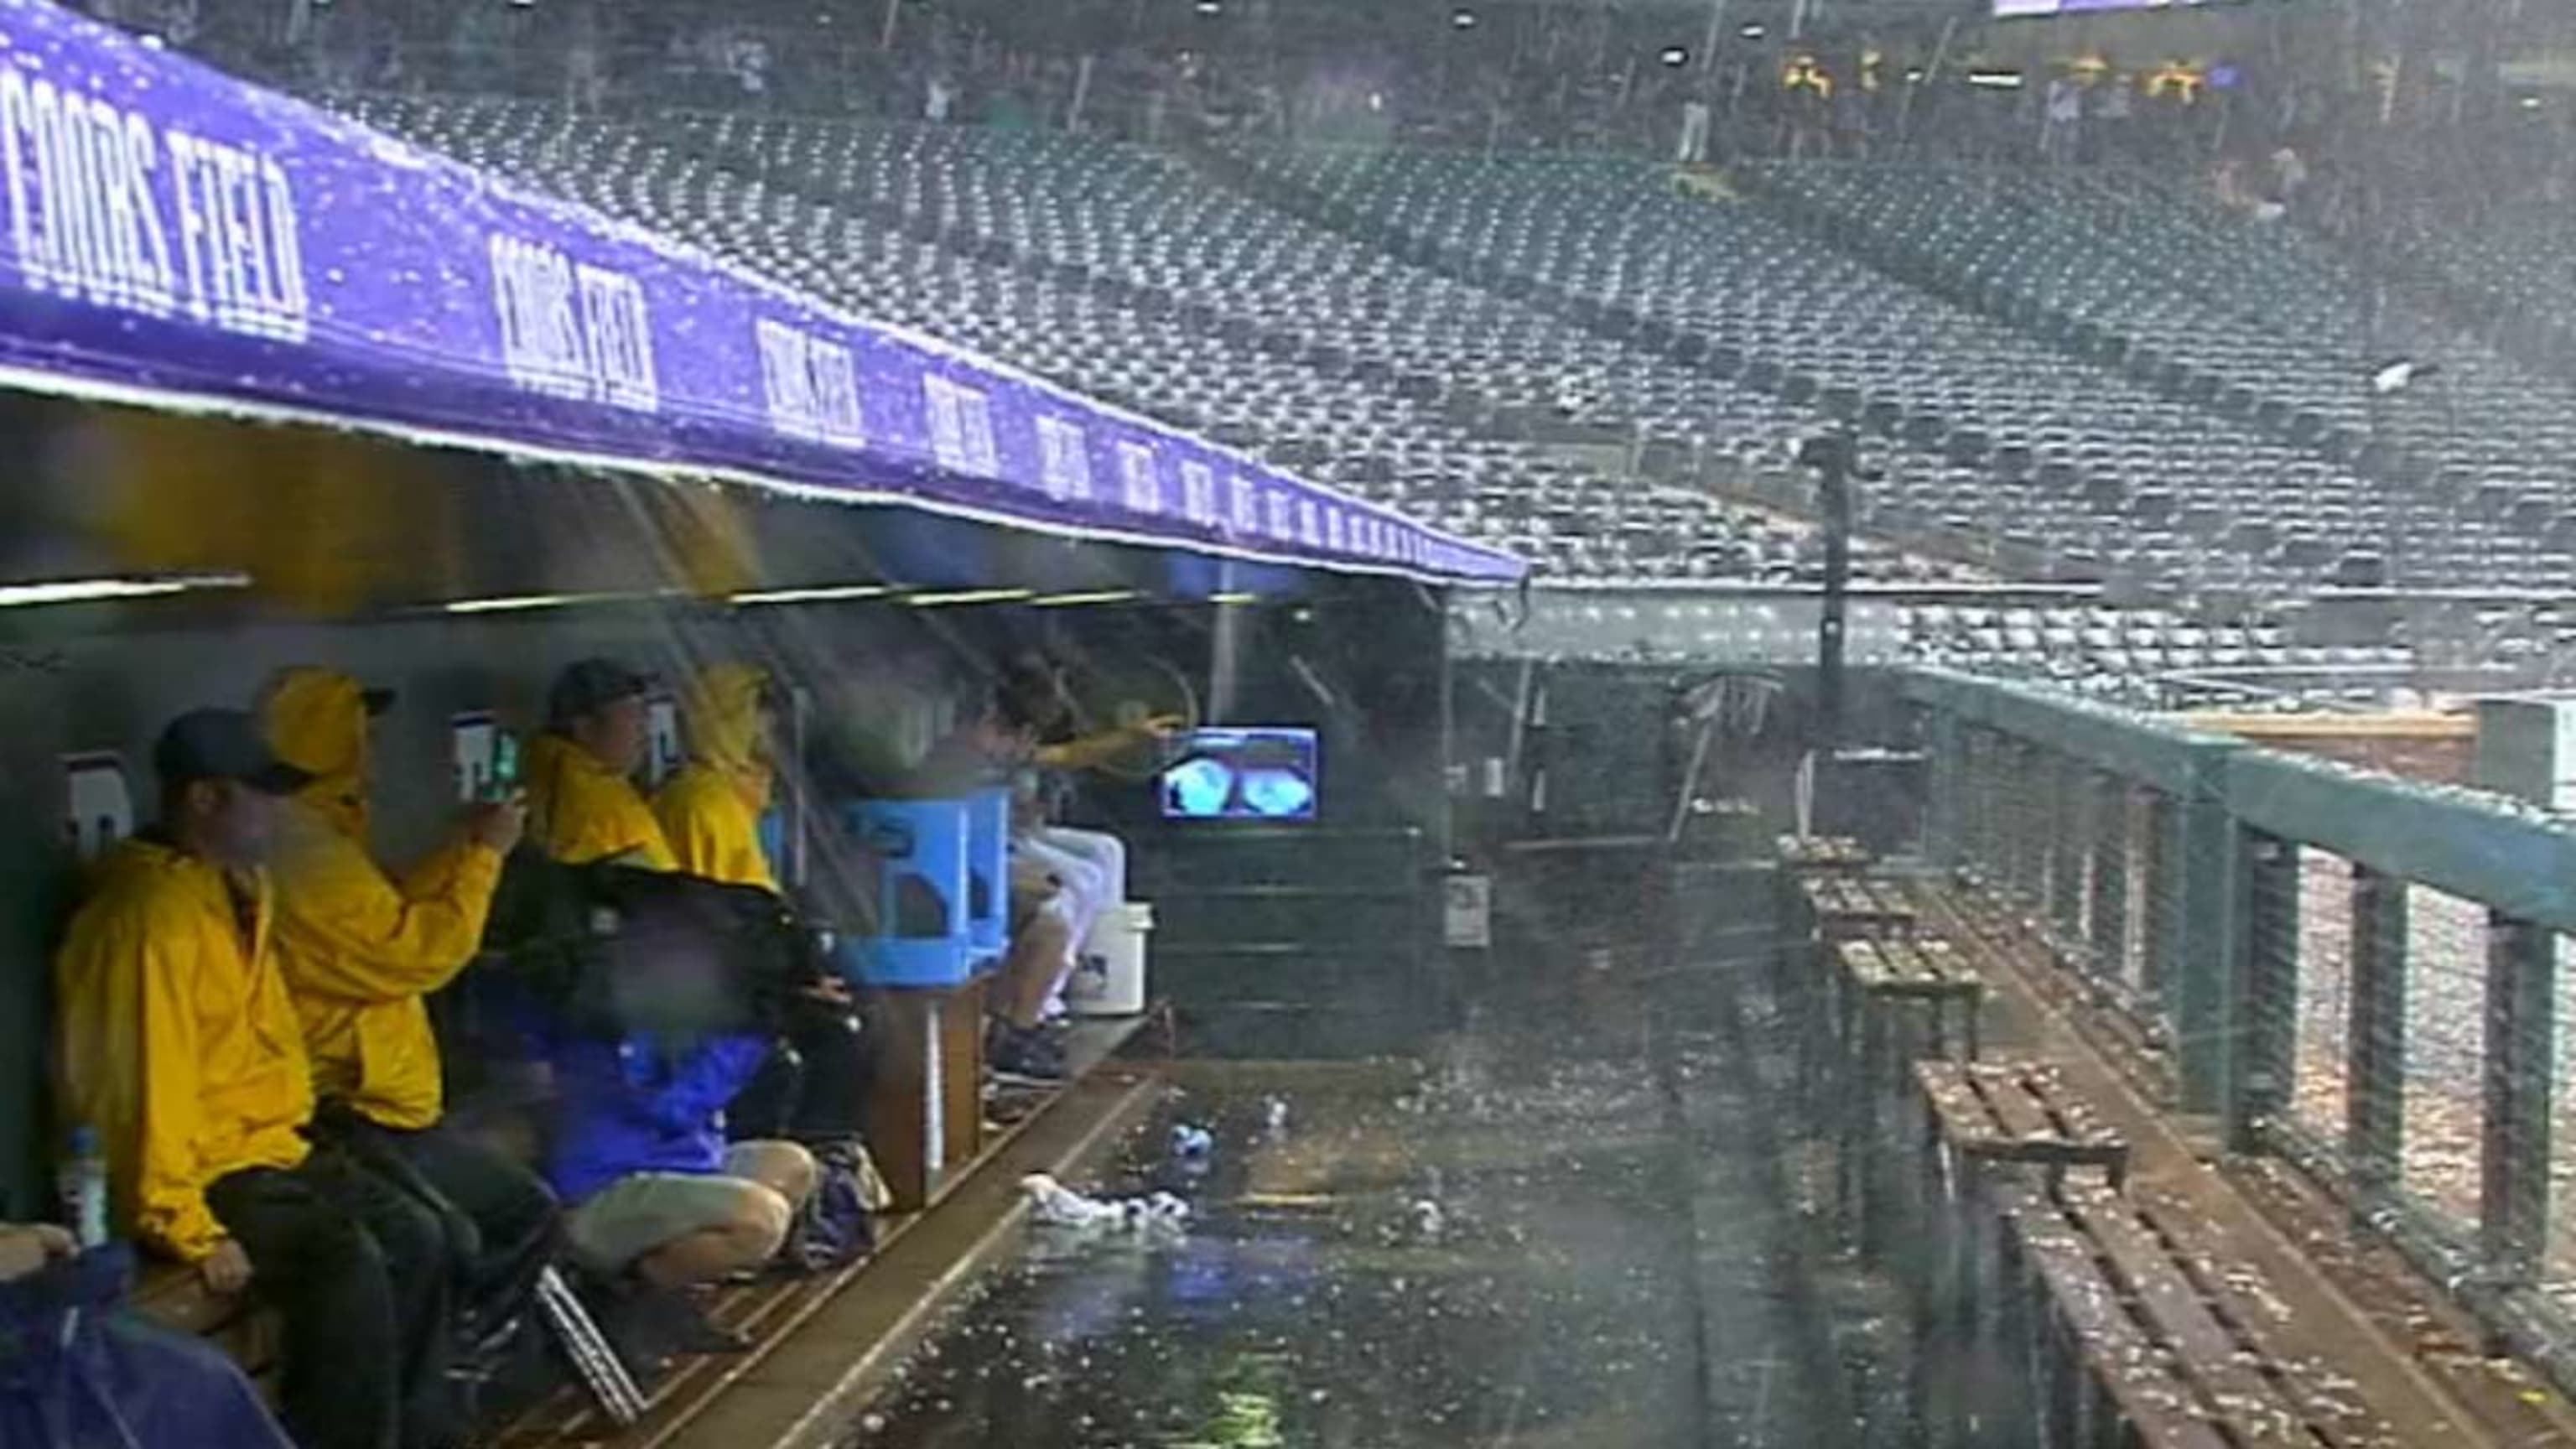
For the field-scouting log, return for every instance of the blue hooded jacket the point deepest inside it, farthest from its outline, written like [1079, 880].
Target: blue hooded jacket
[642, 1104]
[75, 1373]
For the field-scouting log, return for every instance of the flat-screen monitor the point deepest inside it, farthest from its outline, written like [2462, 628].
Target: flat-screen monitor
[1243, 772]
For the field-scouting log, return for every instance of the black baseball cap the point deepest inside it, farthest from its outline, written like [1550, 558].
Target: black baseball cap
[588, 685]
[377, 701]
[222, 744]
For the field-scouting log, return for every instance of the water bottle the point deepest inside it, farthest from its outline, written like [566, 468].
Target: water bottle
[83, 1183]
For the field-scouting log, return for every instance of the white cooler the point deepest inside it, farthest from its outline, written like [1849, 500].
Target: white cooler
[1112, 979]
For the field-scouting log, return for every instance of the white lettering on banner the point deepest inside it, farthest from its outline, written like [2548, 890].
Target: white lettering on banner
[1333, 529]
[961, 427]
[1243, 514]
[1280, 521]
[96, 194]
[975, 416]
[1198, 493]
[570, 329]
[621, 333]
[812, 385]
[1064, 460]
[947, 428]
[1140, 487]
[1310, 523]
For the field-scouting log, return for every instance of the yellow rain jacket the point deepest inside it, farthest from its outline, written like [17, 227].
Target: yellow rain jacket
[580, 810]
[359, 950]
[179, 1045]
[710, 811]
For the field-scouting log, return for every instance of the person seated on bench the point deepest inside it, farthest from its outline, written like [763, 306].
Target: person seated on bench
[582, 802]
[710, 811]
[361, 951]
[181, 1048]
[1055, 894]
[637, 1147]
[156, 1389]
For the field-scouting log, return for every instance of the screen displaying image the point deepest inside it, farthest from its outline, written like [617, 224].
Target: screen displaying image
[1243, 773]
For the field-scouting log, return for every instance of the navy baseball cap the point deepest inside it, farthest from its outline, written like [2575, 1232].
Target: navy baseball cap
[222, 744]
[589, 685]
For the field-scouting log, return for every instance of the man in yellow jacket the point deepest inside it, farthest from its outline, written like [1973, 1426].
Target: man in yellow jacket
[180, 1047]
[582, 802]
[710, 810]
[360, 951]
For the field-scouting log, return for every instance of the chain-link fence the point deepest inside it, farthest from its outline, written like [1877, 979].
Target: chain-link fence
[2087, 855]
[2368, 976]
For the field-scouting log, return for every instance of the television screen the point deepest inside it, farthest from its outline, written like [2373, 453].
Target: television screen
[1243, 773]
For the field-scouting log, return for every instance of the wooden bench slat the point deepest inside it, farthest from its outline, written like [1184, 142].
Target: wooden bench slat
[2321, 1393]
[2212, 1356]
[2018, 1111]
[2129, 1366]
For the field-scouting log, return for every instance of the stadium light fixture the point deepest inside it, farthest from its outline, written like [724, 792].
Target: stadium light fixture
[524, 603]
[1228, 600]
[833, 594]
[1211, 7]
[91, 591]
[1752, 30]
[1462, 18]
[1675, 56]
[1076, 601]
[1996, 80]
[969, 596]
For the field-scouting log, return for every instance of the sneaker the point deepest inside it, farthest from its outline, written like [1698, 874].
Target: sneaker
[1026, 1057]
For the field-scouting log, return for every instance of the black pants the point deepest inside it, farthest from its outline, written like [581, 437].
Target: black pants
[357, 1271]
[507, 1220]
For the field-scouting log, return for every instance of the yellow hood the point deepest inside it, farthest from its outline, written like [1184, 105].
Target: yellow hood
[316, 720]
[721, 713]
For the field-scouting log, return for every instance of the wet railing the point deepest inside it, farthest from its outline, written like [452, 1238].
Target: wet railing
[2351, 971]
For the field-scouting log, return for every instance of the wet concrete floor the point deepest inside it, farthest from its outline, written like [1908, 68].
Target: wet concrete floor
[1563, 1226]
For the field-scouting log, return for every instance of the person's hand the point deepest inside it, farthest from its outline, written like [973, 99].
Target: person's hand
[27, 1248]
[499, 824]
[227, 1271]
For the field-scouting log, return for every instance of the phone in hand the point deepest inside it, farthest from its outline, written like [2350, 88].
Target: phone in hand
[503, 782]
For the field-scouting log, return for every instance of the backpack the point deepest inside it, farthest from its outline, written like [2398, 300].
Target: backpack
[837, 1226]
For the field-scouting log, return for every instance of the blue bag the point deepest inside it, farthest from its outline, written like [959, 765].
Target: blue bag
[76, 1373]
[836, 1227]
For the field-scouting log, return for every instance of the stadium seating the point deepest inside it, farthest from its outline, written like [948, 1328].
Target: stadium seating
[2467, 471]
[1374, 409]
[2082, 458]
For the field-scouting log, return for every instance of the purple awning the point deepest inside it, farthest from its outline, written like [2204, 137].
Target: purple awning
[178, 237]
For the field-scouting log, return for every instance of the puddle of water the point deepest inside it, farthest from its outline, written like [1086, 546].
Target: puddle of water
[1491, 1258]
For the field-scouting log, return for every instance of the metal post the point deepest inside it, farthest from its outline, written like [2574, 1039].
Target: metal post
[1942, 842]
[2521, 1028]
[2108, 928]
[2205, 944]
[2375, 1102]
[2071, 838]
[1832, 459]
[2262, 1054]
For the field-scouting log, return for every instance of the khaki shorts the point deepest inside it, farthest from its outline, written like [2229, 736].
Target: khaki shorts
[636, 1214]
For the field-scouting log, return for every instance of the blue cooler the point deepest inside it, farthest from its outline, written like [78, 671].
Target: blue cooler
[988, 871]
[922, 935]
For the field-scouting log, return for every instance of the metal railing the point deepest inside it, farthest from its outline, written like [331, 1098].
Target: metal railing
[2354, 972]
